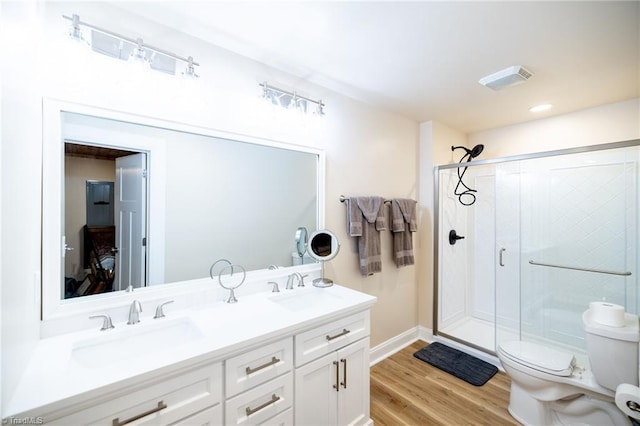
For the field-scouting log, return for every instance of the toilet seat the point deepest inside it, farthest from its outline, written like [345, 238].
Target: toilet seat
[538, 357]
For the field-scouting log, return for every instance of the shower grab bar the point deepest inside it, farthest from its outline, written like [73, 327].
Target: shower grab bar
[575, 268]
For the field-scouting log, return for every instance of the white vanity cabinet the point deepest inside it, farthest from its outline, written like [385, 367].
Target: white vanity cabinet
[332, 373]
[283, 366]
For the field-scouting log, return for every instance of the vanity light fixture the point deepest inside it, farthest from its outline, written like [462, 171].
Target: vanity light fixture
[291, 100]
[75, 32]
[132, 50]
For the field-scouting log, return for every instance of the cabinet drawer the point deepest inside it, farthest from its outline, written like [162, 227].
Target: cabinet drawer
[330, 337]
[167, 401]
[261, 403]
[258, 366]
[282, 419]
[209, 417]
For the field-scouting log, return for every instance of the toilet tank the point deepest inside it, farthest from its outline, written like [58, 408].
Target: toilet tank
[613, 351]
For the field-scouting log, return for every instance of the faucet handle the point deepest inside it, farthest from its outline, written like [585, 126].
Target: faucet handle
[301, 283]
[159, 310]
[134, 312]
[276, 289]
[106, 321]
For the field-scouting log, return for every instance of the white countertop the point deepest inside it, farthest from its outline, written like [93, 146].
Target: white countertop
[57, 376]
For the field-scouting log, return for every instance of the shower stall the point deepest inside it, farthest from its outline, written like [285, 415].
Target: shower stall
[531, 241]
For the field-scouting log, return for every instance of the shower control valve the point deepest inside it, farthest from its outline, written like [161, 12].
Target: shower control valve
[453, 237]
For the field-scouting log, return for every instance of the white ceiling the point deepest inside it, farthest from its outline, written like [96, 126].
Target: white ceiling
[424, 59]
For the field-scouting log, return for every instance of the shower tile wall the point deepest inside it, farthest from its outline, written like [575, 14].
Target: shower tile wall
[453, 271]
[482, 246]
[467, 268]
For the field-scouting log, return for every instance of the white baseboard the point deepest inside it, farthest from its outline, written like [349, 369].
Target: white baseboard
[399, 342]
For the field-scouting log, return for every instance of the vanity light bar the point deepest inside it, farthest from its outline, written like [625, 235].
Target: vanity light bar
[137, 44]
[276, 96]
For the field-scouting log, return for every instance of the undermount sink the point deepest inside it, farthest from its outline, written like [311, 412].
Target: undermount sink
[298, 300]
[135, 340]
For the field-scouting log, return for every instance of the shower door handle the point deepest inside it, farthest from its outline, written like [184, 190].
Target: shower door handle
[501, 259]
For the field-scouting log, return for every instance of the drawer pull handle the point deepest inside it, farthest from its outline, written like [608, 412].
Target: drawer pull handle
[344, 372]
[273, 361]
[344, 331]
[336, 387]
[161, 406]
[274, 398]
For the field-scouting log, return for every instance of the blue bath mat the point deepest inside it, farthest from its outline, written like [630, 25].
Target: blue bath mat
[463, 366]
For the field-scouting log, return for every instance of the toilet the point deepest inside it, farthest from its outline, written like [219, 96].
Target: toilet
[550, 387]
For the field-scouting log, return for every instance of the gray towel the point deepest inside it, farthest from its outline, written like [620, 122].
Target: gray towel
[403, 223]
[365, 219]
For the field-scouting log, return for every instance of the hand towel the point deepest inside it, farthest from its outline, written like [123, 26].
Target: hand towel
[365, 221]
[403, 223]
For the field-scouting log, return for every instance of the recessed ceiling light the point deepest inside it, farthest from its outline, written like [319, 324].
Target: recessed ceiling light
[540, 108]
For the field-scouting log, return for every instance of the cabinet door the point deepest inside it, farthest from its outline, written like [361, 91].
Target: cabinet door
[316, 402]
[353, 398]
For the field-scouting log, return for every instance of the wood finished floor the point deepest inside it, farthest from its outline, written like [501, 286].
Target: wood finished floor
[407, 391]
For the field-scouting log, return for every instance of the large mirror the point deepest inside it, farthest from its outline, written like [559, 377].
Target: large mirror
[145, 204]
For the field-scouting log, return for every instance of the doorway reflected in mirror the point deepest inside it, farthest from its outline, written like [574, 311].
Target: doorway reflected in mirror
[105, 217]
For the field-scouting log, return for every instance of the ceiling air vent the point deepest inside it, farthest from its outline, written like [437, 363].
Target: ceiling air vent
[507, 77]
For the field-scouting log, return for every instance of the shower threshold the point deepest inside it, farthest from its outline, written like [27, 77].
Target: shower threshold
[477, 332]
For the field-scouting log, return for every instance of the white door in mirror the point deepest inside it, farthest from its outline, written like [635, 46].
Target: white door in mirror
[130, 204]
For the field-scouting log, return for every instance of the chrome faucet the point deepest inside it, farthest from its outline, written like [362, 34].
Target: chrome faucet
[291, 278]
[134, 312]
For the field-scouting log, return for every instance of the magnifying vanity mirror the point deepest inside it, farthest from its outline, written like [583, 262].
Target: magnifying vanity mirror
[201, 194]
[323, 246]
[302, 238]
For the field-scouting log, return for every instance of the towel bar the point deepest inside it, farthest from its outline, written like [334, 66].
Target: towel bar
[343, 199]
[575, 268]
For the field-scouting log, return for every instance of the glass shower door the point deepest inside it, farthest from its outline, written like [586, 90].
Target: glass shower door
[577, 237]
[507, 250]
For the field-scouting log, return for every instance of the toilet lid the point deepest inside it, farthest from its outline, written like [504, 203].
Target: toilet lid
[539, 357]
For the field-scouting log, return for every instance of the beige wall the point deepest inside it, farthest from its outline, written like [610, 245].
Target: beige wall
[372, 152]
[606, 123]
[436, 140]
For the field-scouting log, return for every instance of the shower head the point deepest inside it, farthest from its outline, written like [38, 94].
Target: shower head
[477, 150]
[472, 153]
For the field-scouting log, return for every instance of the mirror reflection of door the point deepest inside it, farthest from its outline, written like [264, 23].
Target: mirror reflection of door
[130, 207]
[105, 207]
